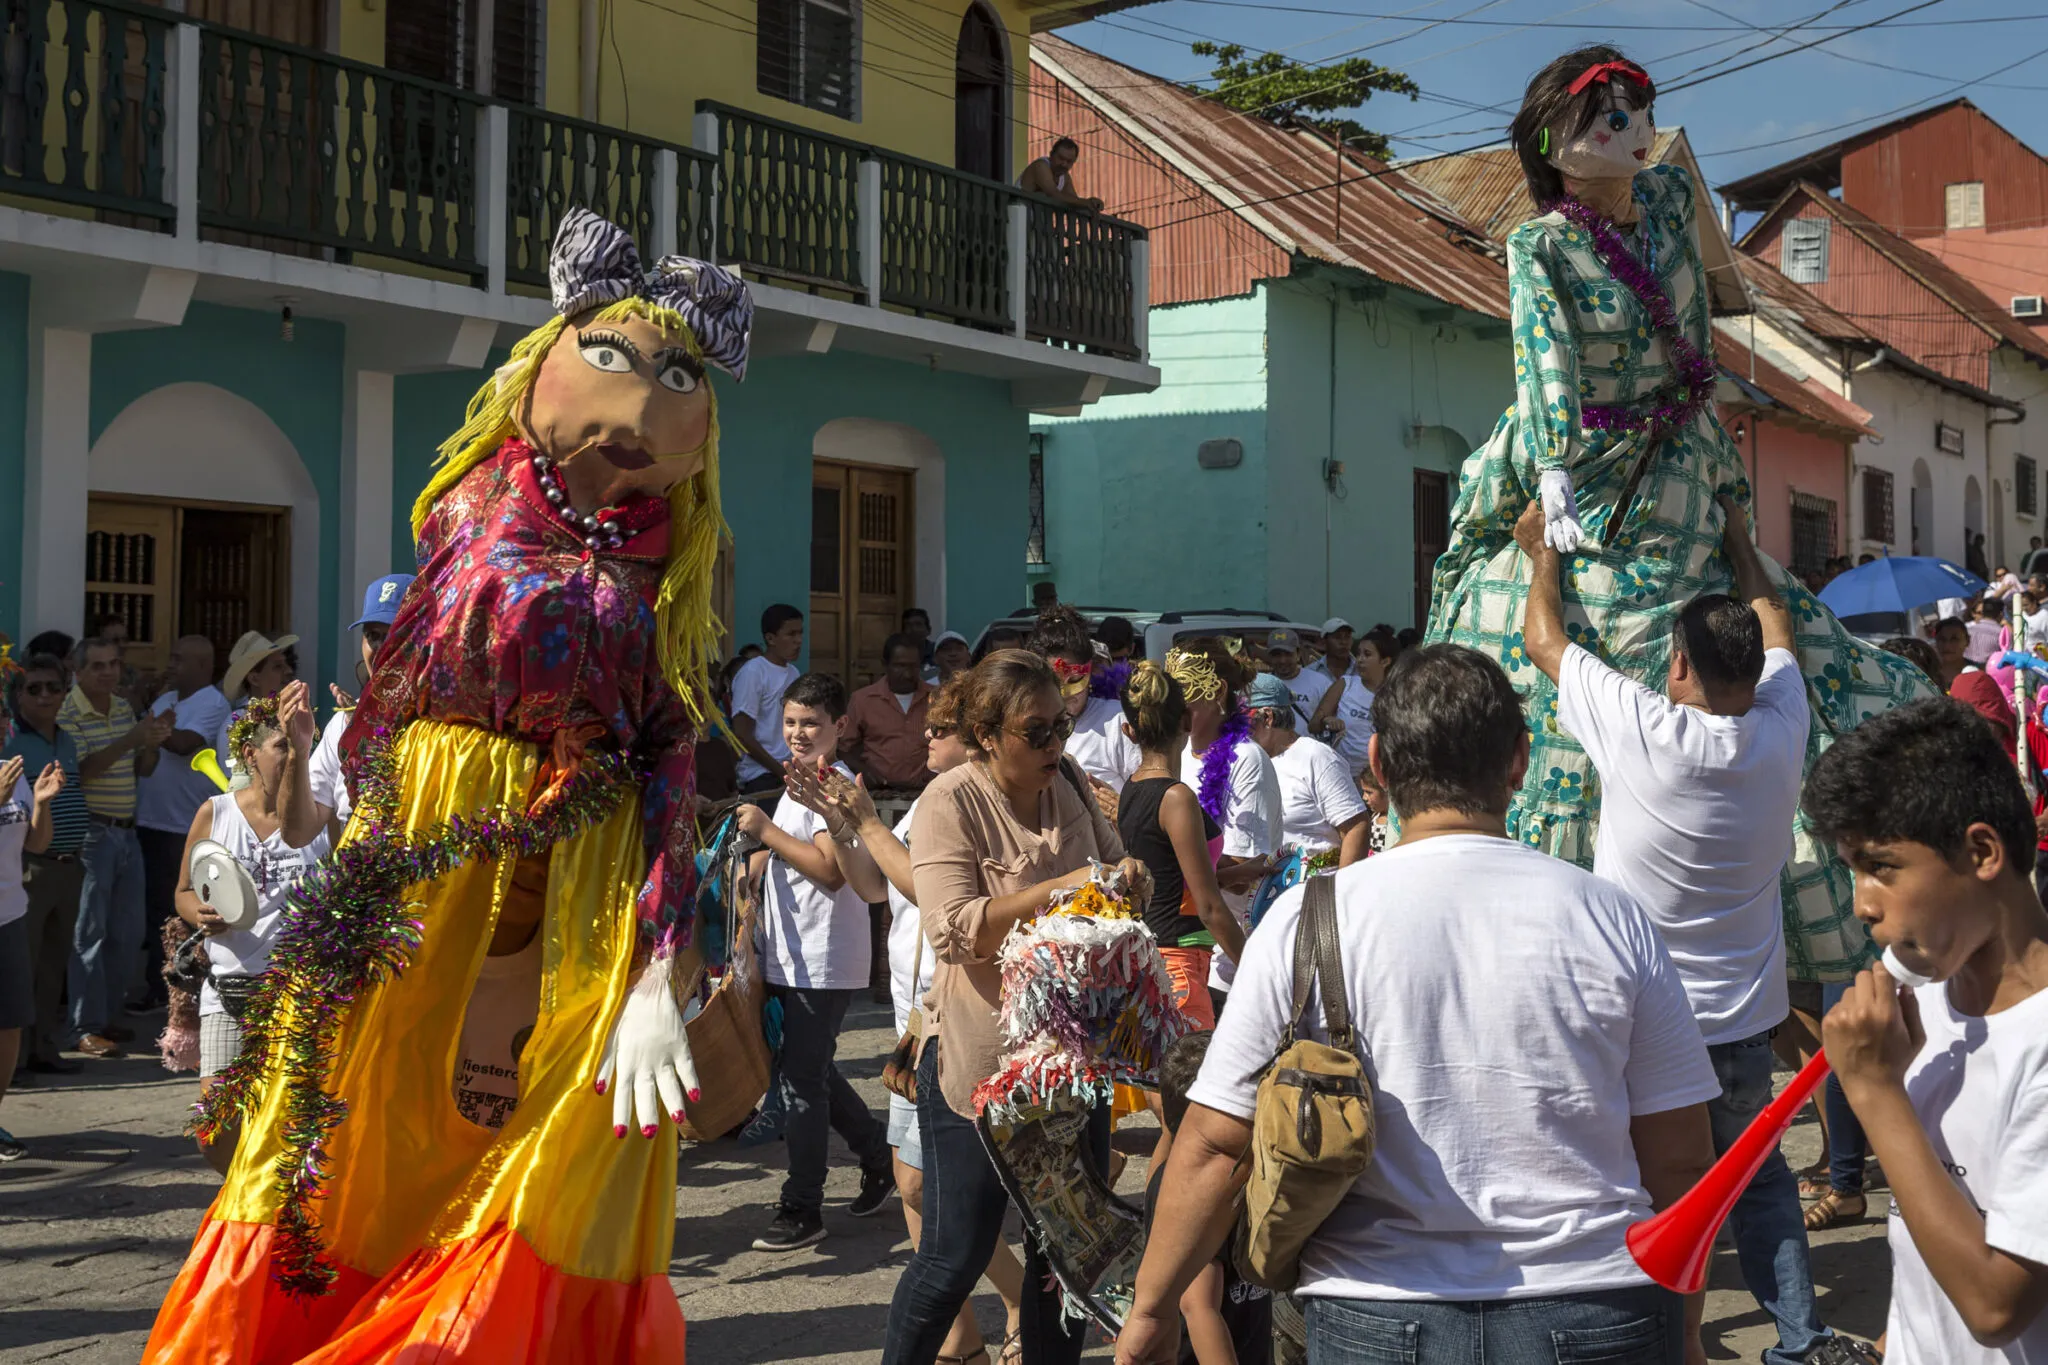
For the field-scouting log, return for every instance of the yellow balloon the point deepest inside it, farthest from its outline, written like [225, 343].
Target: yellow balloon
[205, 762]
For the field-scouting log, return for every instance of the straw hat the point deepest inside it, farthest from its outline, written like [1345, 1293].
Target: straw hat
[252, 649]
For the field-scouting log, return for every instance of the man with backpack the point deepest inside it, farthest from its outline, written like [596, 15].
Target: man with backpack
[1537, 1080]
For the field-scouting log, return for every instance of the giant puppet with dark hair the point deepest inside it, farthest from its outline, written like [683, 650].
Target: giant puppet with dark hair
[1613, 428]
[521, 763]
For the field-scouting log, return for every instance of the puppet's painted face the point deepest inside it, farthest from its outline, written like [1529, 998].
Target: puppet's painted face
[1616, 144]
[623, 407]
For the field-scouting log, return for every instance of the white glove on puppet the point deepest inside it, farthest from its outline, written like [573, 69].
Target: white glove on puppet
[1560, 512]
[649, 1053]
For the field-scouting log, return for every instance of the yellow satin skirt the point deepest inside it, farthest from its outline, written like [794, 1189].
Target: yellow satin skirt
[547, 1240]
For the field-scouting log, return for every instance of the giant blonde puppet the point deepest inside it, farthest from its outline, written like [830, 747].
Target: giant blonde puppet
[522, 768]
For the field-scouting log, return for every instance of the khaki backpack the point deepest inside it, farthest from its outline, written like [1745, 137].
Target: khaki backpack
[1312, 1134]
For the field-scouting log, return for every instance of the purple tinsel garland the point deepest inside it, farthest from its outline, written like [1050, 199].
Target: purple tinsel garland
[349, 925]
[1214, 791]
[1675, 404]
[1108, 680]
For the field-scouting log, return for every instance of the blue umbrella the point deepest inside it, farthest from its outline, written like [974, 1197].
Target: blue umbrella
[1889, 584]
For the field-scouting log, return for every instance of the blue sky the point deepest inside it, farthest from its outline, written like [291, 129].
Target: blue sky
[1481, 52]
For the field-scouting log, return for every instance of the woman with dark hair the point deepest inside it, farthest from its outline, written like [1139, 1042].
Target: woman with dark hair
[994, 840]
[1349, 699]
[1614, 430]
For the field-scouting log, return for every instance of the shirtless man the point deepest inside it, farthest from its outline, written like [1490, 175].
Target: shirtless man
[1052, 175]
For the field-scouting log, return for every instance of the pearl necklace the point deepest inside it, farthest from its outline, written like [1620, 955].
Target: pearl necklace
[597, 530]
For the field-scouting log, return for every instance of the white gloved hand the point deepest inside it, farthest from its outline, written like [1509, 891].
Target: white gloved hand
[1560, 512]
[647, 1063]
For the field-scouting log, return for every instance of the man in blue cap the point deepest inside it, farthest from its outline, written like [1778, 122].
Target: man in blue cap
[330, 793]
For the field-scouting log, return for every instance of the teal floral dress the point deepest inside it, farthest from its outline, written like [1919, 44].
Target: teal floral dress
[1653, 525]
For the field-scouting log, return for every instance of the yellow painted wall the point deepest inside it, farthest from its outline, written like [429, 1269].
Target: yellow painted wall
[362, 29]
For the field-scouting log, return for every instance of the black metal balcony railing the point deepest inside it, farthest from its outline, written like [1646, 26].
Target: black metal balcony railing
[299, 151]
[945, 240]
[315, 149]
[82, 104]
[789, 206]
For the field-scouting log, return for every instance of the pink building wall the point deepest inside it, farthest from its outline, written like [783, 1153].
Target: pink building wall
[1782, 461]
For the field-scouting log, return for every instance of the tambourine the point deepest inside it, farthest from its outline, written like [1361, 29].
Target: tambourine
[223, 885]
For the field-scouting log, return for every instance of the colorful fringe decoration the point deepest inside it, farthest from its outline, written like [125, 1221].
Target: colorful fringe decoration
[346, 927]
[1214, 792]
[178, 1044]
[1087, 1004]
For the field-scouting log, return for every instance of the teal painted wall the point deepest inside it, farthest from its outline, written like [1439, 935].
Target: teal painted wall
[297, 384]
[766, 429]
[13, 445]
[1393, 372]
[1131, 519]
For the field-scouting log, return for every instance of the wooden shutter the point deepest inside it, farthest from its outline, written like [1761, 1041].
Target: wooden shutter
[426, 38]
[515, 51]
[131, 560]
[288, 21]
[1877, 505]
[804, 53]
[862, 566]
[1805, 250]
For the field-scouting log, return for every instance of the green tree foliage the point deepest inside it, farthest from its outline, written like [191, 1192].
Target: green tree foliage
[1281, 90]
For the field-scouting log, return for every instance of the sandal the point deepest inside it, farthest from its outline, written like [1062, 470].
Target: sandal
[981, 1351]
[1833, 1209]
[1013, 1349]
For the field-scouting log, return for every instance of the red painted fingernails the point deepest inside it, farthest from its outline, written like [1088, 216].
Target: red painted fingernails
[618, 1130]
[600, 1087]
[677, 1116]
[696, 1095]
[648, 1130]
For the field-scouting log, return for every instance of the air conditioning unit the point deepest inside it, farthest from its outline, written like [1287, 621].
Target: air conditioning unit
[2028, 306]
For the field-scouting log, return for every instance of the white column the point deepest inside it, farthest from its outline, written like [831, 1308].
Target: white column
[366, 499]
[665, 170]
[1141, 293]
[868, 228]
[493, 180]
[1020, 236]
[54, 511]
[181, 156]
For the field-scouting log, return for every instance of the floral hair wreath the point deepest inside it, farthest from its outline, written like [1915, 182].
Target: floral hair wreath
[260, 715]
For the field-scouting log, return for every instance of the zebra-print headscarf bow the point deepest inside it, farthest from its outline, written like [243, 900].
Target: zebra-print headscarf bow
[594, 263]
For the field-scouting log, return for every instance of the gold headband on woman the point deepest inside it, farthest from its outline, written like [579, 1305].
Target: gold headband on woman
[1197, 677]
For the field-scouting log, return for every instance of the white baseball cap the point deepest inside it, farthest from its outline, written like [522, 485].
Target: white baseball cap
[1335, 624]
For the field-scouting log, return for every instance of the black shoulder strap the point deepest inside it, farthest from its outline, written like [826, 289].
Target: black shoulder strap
[1318, 958]
[1072, 770]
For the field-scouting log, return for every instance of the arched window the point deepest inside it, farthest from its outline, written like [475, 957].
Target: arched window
[981, 75]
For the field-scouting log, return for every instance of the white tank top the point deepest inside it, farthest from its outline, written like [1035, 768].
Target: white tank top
[275, 868]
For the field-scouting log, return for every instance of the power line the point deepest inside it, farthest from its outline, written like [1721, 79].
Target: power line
[1683, 84]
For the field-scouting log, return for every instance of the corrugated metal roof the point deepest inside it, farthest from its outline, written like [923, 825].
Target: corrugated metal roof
[1804, 398]
[1284, 183]
[1823, 165]
[1778, 295]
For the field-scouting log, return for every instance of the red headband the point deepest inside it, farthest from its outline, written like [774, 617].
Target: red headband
[1607, 71]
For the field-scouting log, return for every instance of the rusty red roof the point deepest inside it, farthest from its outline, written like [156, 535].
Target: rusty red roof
[1806, 399]
[1780, 295]
[1283, 183]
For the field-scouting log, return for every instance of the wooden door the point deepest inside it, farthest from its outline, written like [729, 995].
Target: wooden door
[861, 566]
[233, 575]
[1432, 534]
[131, 556]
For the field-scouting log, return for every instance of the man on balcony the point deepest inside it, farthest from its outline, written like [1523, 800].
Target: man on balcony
[1052, 175]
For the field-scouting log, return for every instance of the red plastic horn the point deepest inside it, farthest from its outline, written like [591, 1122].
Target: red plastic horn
[1674, 1247]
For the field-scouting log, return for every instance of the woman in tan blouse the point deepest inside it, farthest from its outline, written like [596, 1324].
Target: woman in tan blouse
[993, 841]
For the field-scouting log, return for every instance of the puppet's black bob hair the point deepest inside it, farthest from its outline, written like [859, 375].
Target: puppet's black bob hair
[1549, 103]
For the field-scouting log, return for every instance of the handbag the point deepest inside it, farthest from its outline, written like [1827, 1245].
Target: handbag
[899, 1072]
[728, 1038]
[1312, 1127]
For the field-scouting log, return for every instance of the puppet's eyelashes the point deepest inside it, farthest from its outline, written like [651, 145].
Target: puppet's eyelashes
[679, 377]
[605, 353]
[1617, 119]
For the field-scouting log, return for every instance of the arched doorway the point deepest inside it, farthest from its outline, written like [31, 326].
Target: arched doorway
[981, 77]
[1439, 452]
[1922, 508]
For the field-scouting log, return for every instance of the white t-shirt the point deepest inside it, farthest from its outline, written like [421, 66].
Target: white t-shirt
[1308, 689]
[2037, 627]
[904, 938]
[757, 692]
[169, 797]
[1354, 708]
[495, 1029]
[15, 813]
[1317, 794]
[1251, 826]
[1696, 824]
[1099, 746]
[323, 768]
[811, 937]
[1515, 1013]
[1980, 1088]
[276, 868]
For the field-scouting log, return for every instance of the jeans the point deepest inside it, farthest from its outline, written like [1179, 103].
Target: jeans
[819, 1098]
[964, 1204]
[1768, 1223]
[52, 885]
[1641, 1325]
[1845, 1130]
[106, 947]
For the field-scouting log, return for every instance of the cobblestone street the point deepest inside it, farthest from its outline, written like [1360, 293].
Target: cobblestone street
[95, 1221]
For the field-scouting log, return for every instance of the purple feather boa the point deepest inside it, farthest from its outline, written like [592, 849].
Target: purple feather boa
[1214, 791]
[1675, 404]
[1109, 679]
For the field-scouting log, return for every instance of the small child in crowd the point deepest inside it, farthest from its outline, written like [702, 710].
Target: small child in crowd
[815, 955]
[1229, 1319]
[1950, 1079]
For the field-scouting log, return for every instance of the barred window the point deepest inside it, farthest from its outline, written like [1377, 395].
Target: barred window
[2023, 485]
[1877, 505]
[806, 52]
[1813, 533]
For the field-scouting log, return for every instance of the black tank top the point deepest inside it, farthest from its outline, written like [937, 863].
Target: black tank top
[1137, 822]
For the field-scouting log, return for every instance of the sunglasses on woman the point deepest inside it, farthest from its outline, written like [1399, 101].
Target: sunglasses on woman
[1044, 734]
[43, 689]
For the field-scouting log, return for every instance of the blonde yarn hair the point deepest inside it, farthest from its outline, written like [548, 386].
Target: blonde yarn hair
[686, 632]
